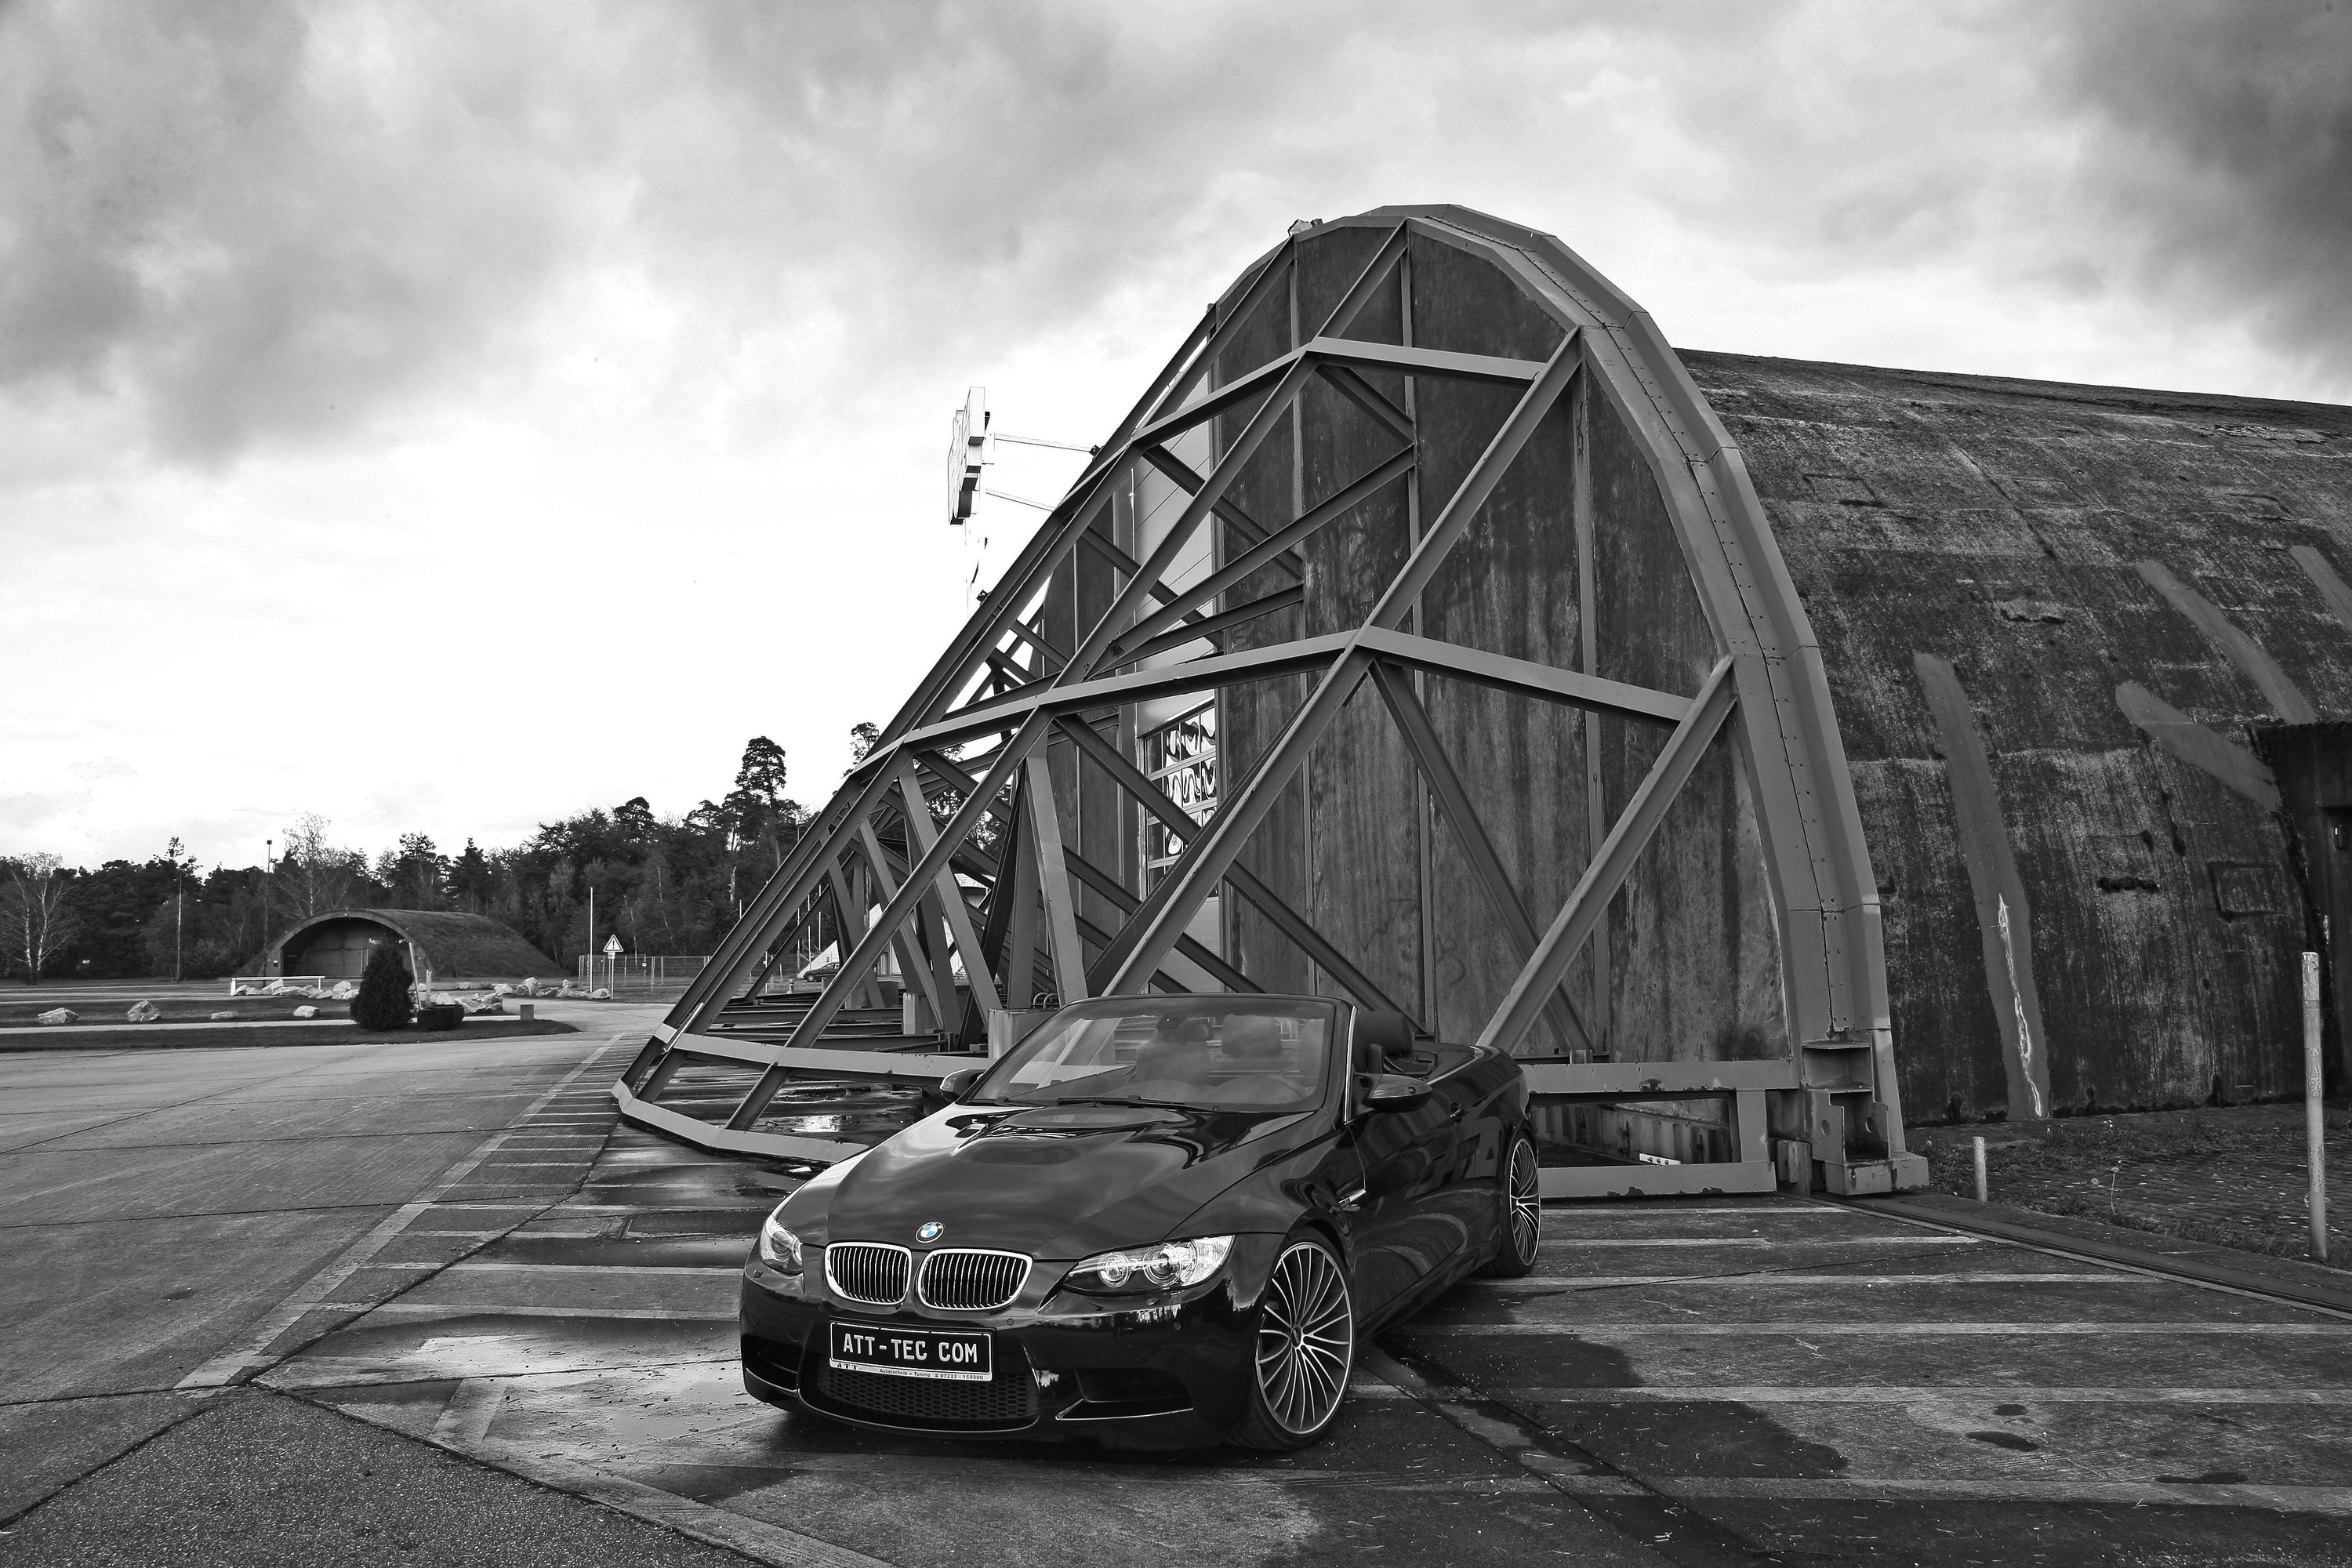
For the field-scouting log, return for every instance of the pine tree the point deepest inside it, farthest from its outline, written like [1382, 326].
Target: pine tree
[382, 1002]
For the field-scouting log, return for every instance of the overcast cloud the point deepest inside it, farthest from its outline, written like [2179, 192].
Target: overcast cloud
[570, 380]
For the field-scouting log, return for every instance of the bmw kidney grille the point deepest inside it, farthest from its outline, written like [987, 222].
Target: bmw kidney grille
[966, 1279]
[867, 1272]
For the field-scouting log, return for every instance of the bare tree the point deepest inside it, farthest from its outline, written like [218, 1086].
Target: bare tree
[313, 875]
[35, 919]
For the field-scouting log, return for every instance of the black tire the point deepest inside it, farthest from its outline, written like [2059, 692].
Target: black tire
[1518, 1188]
[1305, 1349]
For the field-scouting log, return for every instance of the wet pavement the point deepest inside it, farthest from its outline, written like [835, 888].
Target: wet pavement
[1699, 1382]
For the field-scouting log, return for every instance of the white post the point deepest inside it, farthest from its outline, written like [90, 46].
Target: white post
[1984, 1188]
[2314, 1127]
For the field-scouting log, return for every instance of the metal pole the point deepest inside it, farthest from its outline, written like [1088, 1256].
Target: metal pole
[1984, 1188]
[2314, 1132]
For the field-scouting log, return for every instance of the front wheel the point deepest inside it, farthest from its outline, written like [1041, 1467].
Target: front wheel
[1305, 1347]
[1520, 1197]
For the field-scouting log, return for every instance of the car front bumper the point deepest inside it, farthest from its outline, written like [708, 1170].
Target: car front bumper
[1159, 1372]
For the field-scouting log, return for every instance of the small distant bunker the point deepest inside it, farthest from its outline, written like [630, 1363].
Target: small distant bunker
[439, 945]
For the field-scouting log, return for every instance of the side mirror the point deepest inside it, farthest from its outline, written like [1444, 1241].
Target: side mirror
[951, 1086]
[1394, 1092]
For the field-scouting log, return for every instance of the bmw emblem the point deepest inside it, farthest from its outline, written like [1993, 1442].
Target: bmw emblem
[929, 1231]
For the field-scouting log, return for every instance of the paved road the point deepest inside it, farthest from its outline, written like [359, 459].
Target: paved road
[1702, 1383]
[157, 1206]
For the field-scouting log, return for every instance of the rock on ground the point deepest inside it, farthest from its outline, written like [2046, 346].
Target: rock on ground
[143, 1013]
[59, 1016]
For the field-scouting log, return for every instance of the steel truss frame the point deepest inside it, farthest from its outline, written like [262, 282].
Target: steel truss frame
[996, 883]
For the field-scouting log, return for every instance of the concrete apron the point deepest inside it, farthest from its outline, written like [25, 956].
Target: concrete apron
[1697, 1382]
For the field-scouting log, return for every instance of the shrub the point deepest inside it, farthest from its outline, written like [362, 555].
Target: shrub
[382, 1002]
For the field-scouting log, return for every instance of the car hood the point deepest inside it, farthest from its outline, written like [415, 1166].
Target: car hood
[1058, 1182]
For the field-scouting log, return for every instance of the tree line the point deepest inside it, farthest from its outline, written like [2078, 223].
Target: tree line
[662, 884]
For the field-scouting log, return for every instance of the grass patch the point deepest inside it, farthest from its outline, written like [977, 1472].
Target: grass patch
[146, 1038]
[2229, 1177]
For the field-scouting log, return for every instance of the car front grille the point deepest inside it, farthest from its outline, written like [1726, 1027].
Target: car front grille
[1008, 1399]
[867, 1271]
[965, 1280]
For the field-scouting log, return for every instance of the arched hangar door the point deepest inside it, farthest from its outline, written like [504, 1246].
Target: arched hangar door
[1417, 637]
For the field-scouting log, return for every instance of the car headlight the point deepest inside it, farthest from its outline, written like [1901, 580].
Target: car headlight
[1164, 1267]
[779, 1250]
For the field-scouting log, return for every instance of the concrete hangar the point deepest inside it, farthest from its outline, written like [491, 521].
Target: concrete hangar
[1776, 750]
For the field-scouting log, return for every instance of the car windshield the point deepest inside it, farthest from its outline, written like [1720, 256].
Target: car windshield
[1206, 1053]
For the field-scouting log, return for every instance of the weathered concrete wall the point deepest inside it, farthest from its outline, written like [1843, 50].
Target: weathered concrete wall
[2055, 545]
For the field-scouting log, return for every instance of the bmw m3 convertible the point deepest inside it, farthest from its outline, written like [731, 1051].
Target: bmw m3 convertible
[1157, 1222]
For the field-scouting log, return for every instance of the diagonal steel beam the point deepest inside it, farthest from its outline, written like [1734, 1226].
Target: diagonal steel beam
[1443, 363]
[1206, 858]
[1240, 877]
[913, 962]
[829, 1004]
[1370, 399]
[739, 952]
[1069, 959]
[1208, 626]
[991, 715]
[1613, 861]
[1244, 566]
[1524, 678]
[1214, 846]
[921, 837]
[1161, 681]
[849, 924]
[1163, 556]
[1445, 788]
[1368, 284]
[1463, 507]
[1127, 903]
[1181, 474]
[1038, 639]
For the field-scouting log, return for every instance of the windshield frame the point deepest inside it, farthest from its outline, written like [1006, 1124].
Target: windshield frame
[1336, 1045]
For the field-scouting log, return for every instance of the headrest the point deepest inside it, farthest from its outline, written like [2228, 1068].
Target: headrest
[1251, 1036]
[1184, 1029]
[1390, 1032]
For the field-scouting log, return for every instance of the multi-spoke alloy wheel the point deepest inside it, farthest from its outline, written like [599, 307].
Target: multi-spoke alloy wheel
[1306, 1346]
[1522, 1215]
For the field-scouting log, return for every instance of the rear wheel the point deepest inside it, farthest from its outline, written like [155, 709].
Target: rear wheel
[1305, 1347]
[1520, 1195]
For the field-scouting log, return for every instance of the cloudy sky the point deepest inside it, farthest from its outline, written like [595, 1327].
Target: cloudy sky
[445, 417]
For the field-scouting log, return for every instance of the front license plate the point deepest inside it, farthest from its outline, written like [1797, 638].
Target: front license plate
[959, 1356]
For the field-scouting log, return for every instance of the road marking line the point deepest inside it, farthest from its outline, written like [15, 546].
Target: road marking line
[2281, 1498]
[569, 1270]
[475, 1233]
[500, 1310]
[623, 1211]
[1564, 1211]
[1714, 1394]
[1592, 1281]
[1555, 1242]
[1586, 1327]
[251, 1350]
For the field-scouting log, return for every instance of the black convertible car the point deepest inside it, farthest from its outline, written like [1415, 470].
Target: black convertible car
[1157, 1222]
